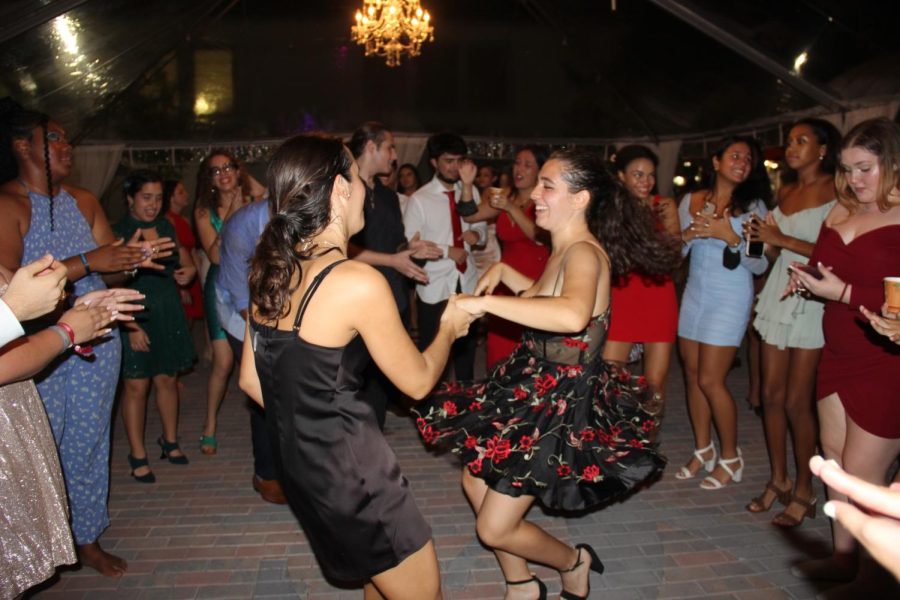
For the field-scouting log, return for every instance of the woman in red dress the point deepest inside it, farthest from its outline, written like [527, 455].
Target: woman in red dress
[645, 310]
[519, 238]
[858, 246]
[175, 200]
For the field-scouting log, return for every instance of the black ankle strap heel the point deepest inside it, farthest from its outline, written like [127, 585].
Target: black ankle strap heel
[542, 589]
[596, 567]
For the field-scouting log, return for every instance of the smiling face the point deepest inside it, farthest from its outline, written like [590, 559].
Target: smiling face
[226, 175]
[554, 204]
[639, 177]
[802, 148]
[735, 164]
[862, 171]
[146, 204]
[525, 170]
[59, 150]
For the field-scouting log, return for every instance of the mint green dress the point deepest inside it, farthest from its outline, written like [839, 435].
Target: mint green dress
[171, 349]
[793, 321]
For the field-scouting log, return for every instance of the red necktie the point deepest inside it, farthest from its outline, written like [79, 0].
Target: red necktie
[457, 228]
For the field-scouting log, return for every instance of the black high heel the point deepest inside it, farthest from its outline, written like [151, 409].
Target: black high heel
[596, 567]
[167, 449]
[137, 463]
[542, 589]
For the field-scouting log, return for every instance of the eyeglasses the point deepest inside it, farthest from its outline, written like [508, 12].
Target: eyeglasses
[55, 136]
[226, 168]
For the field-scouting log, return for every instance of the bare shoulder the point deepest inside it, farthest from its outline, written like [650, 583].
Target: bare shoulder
[14, 204]
[586, 254]
[84, 198]
[361, 280]
[837, 214]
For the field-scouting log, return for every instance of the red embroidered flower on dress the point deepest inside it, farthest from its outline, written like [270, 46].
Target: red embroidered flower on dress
[587, 435]
[475, 466]
[420, 423]
[520, 394]
[545, 384]
[475, 405]
[471, 442]
[526, 442]
[590, 473]
[573, 343]
[538, 407]
[429, 434]
[648, 425]
[497, 449]
[516, 484]
[450, 408]
[636, 443]
[561, 407]
[563, 470]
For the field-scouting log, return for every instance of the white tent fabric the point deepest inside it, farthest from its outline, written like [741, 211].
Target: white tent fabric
[95, 166]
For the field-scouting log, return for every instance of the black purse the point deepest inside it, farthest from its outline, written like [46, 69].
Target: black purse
[730, 260]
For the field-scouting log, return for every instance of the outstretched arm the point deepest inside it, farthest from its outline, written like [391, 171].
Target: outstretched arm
[568, 312]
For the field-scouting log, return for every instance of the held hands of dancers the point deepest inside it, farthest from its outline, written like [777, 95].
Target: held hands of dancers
[36, 288]
[456, 316]
[817, 281]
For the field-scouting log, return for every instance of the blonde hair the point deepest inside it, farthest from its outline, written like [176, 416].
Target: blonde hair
[880, 137]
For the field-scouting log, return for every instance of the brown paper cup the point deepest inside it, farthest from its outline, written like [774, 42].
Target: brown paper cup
[892, 293]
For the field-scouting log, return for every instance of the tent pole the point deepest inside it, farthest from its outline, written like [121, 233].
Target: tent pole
[687, 12]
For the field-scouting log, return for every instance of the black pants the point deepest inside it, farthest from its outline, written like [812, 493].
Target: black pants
[265, 459]
[462, 354]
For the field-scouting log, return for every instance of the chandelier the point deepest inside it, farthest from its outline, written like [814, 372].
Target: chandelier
[391, 27]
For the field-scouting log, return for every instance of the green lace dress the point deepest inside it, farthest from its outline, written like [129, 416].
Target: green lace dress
[171, 349]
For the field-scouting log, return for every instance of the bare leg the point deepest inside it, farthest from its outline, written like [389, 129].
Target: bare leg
[799, 409]
[842, 564]
[501, 525]
[514, 568]
[134, 415]
[715, 362]
[775, 368]
[617, 352]
[167, 403]
[657, 356]
[418, 577]
[222, 362]
[754, 360]
[698, 406]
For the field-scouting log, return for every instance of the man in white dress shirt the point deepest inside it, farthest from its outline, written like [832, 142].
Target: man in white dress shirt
[433, 212]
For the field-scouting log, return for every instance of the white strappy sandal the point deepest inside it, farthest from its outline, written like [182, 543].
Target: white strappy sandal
[711, 483]
[709, 465]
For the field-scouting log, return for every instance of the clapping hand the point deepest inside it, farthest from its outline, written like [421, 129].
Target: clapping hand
[118, 301]
[424, 249]
[151, 250]
[36, 288]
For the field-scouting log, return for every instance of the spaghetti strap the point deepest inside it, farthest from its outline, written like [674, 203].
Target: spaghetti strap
[307, 295]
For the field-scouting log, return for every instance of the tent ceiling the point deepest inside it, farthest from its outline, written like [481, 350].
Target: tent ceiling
[245, 69]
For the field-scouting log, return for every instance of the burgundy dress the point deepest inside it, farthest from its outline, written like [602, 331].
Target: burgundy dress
[528, 258]
[857, 363]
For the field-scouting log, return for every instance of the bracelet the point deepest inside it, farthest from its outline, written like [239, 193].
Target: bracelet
[85, 350]
[63, 335]
[84, 261]
[843, 291]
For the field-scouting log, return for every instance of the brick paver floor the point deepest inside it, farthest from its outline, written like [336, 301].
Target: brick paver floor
[202, 532]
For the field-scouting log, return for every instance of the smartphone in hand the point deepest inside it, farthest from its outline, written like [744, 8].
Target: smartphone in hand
[808, 269]
[754, 248]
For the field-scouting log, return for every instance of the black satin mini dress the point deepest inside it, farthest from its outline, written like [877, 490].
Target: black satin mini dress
[339, 474]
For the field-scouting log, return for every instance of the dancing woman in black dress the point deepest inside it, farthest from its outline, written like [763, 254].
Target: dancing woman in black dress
[316, 318]
[555, 422]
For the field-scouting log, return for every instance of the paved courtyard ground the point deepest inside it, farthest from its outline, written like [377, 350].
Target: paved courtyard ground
[202, 532]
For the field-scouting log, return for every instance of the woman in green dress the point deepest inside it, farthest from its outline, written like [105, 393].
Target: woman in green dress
[157, 345]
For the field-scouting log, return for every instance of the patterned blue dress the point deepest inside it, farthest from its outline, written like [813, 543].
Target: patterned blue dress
[78, 393]
[715, 307]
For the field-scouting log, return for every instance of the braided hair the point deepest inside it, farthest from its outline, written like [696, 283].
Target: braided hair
[18, 123]
[302, 174]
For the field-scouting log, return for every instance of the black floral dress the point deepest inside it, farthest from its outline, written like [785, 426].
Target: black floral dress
[554, 421]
